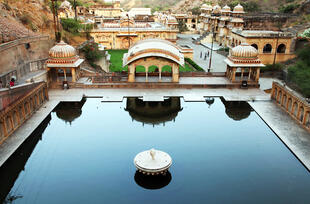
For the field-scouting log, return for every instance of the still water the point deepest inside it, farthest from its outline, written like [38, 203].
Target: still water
[222, 153]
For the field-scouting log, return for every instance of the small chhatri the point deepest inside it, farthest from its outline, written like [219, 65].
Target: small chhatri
[153, 162]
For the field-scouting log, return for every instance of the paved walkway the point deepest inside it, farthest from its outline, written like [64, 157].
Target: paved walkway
[293, 135]
[217, 64]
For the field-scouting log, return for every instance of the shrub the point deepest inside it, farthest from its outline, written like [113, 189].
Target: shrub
[71, 25]
[271, 67]
[196, 66]
[92, 53]
[288, 8]
[299, 73]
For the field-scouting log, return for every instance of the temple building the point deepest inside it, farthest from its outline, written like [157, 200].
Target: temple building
[63, 63]
[153, 52]
[230, 29]
[65, 10]
[243, 65]
[109, 10]
[120, 34]
[271, 45]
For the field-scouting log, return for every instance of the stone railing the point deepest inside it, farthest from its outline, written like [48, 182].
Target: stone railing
[13, 116]
[296, 106]
[23, 40]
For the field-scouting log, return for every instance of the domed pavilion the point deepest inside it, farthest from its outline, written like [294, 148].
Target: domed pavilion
[153, 52]
[63, 63]
[243, 64]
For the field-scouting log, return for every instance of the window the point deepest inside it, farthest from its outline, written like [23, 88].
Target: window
[281, 48]
[255, 46]
[267, 48]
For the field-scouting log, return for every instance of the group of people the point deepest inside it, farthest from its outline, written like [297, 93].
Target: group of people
[206, 55]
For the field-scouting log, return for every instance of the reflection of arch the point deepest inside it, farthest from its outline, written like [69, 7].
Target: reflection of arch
[69, 111]
[267, 48]
[255, 46]
[281, 48]
[237, 110]
[153, 113]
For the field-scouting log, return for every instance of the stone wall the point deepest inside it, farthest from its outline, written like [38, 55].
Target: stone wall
[14, 115]
[294, 105]
[24, 55]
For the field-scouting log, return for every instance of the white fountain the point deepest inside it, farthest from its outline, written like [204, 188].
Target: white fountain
[153, 162]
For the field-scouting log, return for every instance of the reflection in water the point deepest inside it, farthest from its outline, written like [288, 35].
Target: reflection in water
[69, 111]
[209, 101]
[16, 163]
[153, 113]
[152, 182]
[237, 110]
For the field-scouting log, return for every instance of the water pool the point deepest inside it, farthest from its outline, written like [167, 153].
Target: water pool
[222, 153]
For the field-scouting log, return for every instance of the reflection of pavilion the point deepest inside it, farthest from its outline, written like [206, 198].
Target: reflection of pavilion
[237, 110]
[69, 111]
[153, 113]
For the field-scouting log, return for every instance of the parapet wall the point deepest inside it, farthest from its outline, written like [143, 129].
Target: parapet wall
[18, 54]
[14, 115]
[297, 107]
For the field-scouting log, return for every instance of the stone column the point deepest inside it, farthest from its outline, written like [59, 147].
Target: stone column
[73, 75]
[131, 73]
[233, 78]
[65, 75]
[249, 77]
[146, 73]
[257, 74]
[175, 73]
[159, 69]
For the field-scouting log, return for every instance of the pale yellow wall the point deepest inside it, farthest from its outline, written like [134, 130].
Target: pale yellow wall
[112, 41]
[267, 58]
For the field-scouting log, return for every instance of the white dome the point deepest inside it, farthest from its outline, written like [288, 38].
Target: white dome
[238, 9]
[244, 51]
[62, 50]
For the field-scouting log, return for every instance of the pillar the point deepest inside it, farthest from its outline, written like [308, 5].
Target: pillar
[73, 75]
[131, 73]
[257, 74]
[65, 75]
[175, 73]
[233, 78]
[306, 115]
[249, 77]
[159, 69]
[146, 73]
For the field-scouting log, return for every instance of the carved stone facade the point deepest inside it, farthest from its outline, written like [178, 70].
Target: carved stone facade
[298, 108]
[18, 112]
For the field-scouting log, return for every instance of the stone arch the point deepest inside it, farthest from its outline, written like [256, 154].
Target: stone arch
[284, 100]
[289, 104]
[255, 46]
[295, 109]
[280, 97]
[275, 94]
[301, 113]
[281, 48]
[307, 119]
[267, 48]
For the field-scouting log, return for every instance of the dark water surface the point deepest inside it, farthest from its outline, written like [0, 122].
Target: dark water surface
[223, 153]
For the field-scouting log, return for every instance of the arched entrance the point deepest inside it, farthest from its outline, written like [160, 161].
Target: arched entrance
[155, 55]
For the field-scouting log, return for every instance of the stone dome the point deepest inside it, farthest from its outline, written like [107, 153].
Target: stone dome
[62, 50]
[226, 9]
[65, 4]
[244, 51]
[216, 9]
[204, 6]
[238, 9]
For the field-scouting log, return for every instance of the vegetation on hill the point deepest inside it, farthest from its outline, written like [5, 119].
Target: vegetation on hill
[299, 73]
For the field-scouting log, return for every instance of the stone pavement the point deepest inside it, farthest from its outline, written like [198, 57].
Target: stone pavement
[293, 135]
[217, 64]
